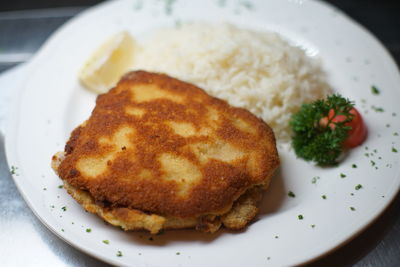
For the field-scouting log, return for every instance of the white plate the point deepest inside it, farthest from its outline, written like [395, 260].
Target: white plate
[51, 103]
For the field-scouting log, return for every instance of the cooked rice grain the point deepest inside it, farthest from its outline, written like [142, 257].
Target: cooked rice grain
[258, 71]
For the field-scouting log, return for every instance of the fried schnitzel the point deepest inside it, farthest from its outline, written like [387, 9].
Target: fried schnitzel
[159, 153]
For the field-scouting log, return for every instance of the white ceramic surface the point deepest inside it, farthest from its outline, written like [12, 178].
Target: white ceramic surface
[51, 103]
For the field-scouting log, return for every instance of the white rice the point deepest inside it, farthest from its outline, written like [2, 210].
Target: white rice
[258, 71]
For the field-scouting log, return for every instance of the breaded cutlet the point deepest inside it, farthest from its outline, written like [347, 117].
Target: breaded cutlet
[159, 153]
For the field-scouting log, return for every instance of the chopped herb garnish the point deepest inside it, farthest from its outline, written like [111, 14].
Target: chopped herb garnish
[276, 237]
[373, 163]
[394, 114]
[268, 258]
[88, 230]
[13, 170]
[106, 242]
[394, 150]
[354, 166]
[119, 254]
[62, 230]
[64, 208]
[300, 217]
[291, 194]
[342, 175]
[396, 134]
[377, 109]
[352, 194]
[375, 90]
[352, 208]
[358, 187]
[44, 188]
[60, 186]
[178, 253]
[366, 154]
[247, 4]
[312, 225]
[314, 179]
[169, 6]
[324, 196]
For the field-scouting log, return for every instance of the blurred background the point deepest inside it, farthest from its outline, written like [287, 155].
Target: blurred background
[26, 24]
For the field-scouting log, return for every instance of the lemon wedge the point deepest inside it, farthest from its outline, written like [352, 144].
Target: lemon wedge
[108, 63]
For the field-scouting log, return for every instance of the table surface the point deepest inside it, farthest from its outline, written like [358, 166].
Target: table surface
[25, 241]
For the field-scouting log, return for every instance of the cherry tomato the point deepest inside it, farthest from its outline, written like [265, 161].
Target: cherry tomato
[356, 134]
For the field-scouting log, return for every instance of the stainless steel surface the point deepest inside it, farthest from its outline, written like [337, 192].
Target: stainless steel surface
[25, 241]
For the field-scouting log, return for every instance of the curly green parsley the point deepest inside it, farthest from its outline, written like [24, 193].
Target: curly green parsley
[316, 141]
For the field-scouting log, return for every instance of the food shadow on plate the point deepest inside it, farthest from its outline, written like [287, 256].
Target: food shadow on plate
[171, 236]
[274, 197]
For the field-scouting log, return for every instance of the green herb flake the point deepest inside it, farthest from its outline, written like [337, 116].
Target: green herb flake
[64, 208]
[373, 163]
[377, 109]
[352, 194]
[14, 170]
[352, 208]
[314, 179]
[394, 150]
[312, 225]
[247, 5]
[169, 6]
[367, 155]
[354, 166]
[291, 194]
[375, 90]
[358, 187]
[342, 175]
[178, 253]
[396, 134]
[394, 114]
[119, 254]
[60, 186]
[44, 188]
[323, 196]
[106, 242]
[276, 237]
[88, 230]
[300, 217]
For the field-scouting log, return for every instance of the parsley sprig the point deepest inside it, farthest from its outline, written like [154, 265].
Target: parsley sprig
[314, 141]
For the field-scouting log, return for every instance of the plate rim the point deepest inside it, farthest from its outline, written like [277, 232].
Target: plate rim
[11, 129]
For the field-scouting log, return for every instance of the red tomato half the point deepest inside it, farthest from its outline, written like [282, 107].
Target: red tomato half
[358, 132]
